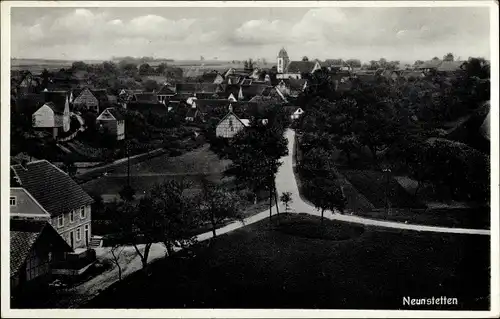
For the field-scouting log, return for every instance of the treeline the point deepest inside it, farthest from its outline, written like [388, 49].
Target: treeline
[401, 124]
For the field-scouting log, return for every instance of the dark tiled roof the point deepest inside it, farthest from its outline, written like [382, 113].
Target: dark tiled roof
[24, 233]
[117, 113]
[207, 96]
[165, 90]
[191, 112]
[147, 107]
[101, 96]
[253, 90]
[202, 104]
[51, 187]
[146, 97]
[209, 77]
[58, 99]
[301, 67]
[196, 87]
[450, 66]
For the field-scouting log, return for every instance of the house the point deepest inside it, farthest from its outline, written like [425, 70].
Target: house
[203, 104]
[24, 206]
[247, 92]
[291, 87]
[165, 93]
[87, 99]
[447, 67]
[198, 88]
[147, 108]
[34, 247]
[54, 113]
[412, 75]
[212, 77]
[23, 83]
[230, 125]
[296, 69]
[66, 202]
[428, 66]
[336, 65]
[112, 122]
[145, 97]
[297, 114]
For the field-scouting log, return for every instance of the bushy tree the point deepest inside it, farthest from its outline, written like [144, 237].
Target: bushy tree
[325, 194]
[286, 199]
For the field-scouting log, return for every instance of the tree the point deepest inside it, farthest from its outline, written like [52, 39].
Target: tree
[448, 57]
[79, 66]
[161, 68]
[418, 62]
[305, 58]
[145, 69]
[382, 63]
[70, 167]
[218, 205]
[127, 193]
[325, 194]
[249, 65]
[255, 154]
[354, 63]
[150, 86]
[435, 58]
[116, 251]
[286, 199]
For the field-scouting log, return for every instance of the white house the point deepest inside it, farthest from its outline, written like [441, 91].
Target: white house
[297, 114]
[231, 125]
[112, 121]
[54, 115]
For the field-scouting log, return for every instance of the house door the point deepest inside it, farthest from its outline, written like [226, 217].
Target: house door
[72, 239]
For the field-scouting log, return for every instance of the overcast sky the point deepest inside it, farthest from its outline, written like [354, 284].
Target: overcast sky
[402, 34]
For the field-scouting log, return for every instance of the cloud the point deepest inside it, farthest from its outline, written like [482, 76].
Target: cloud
[366, 33]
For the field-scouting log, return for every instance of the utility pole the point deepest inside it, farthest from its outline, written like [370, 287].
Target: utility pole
[128, 162]
[387, 171]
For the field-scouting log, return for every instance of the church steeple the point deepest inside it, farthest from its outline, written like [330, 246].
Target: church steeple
[282, 60]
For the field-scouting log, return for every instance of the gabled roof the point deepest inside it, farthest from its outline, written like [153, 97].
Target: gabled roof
[252, 90]
[196, 87]
[24, 234]
[146, 97]
[51, 187]
[229, 114]
[115, 112]
[192, 112]
[300, 67]
[202, 104]
[432, 64]
[165, 90]
[57, 99]
[209, 77]
[450, 66]
[294, 84]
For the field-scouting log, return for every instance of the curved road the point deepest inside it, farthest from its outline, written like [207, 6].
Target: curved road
[285, 182]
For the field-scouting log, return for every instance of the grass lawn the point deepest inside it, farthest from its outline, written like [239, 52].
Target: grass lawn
[293, 265]
[372, 185]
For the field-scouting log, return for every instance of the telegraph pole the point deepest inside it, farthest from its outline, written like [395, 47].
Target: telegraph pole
[387, 171]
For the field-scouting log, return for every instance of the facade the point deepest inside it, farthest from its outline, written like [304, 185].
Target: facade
[230, 125]
[24, 206]
[53, 114]
[67, 203]
[112, 122]
[34, 247]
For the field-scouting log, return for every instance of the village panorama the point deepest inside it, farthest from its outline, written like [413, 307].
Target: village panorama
[242, 162]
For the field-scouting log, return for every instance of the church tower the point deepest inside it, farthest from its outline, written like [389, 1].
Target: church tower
[283, 61]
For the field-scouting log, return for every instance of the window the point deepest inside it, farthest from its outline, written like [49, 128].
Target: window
[78, 234]
[82, 212]
[60, 221]
[72, 216]
[13, 201]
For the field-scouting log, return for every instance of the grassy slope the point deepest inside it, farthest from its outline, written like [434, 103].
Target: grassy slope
[262, 267]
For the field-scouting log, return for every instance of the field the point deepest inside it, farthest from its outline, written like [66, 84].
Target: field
[189, 166]
[296, 265]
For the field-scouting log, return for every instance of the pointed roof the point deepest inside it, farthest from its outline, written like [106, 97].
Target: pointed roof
[51, 187]
[283, 54]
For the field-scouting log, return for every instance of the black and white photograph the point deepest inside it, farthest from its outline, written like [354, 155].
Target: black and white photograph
[250, 155]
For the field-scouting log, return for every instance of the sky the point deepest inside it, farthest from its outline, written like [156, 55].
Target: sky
[404, 34]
